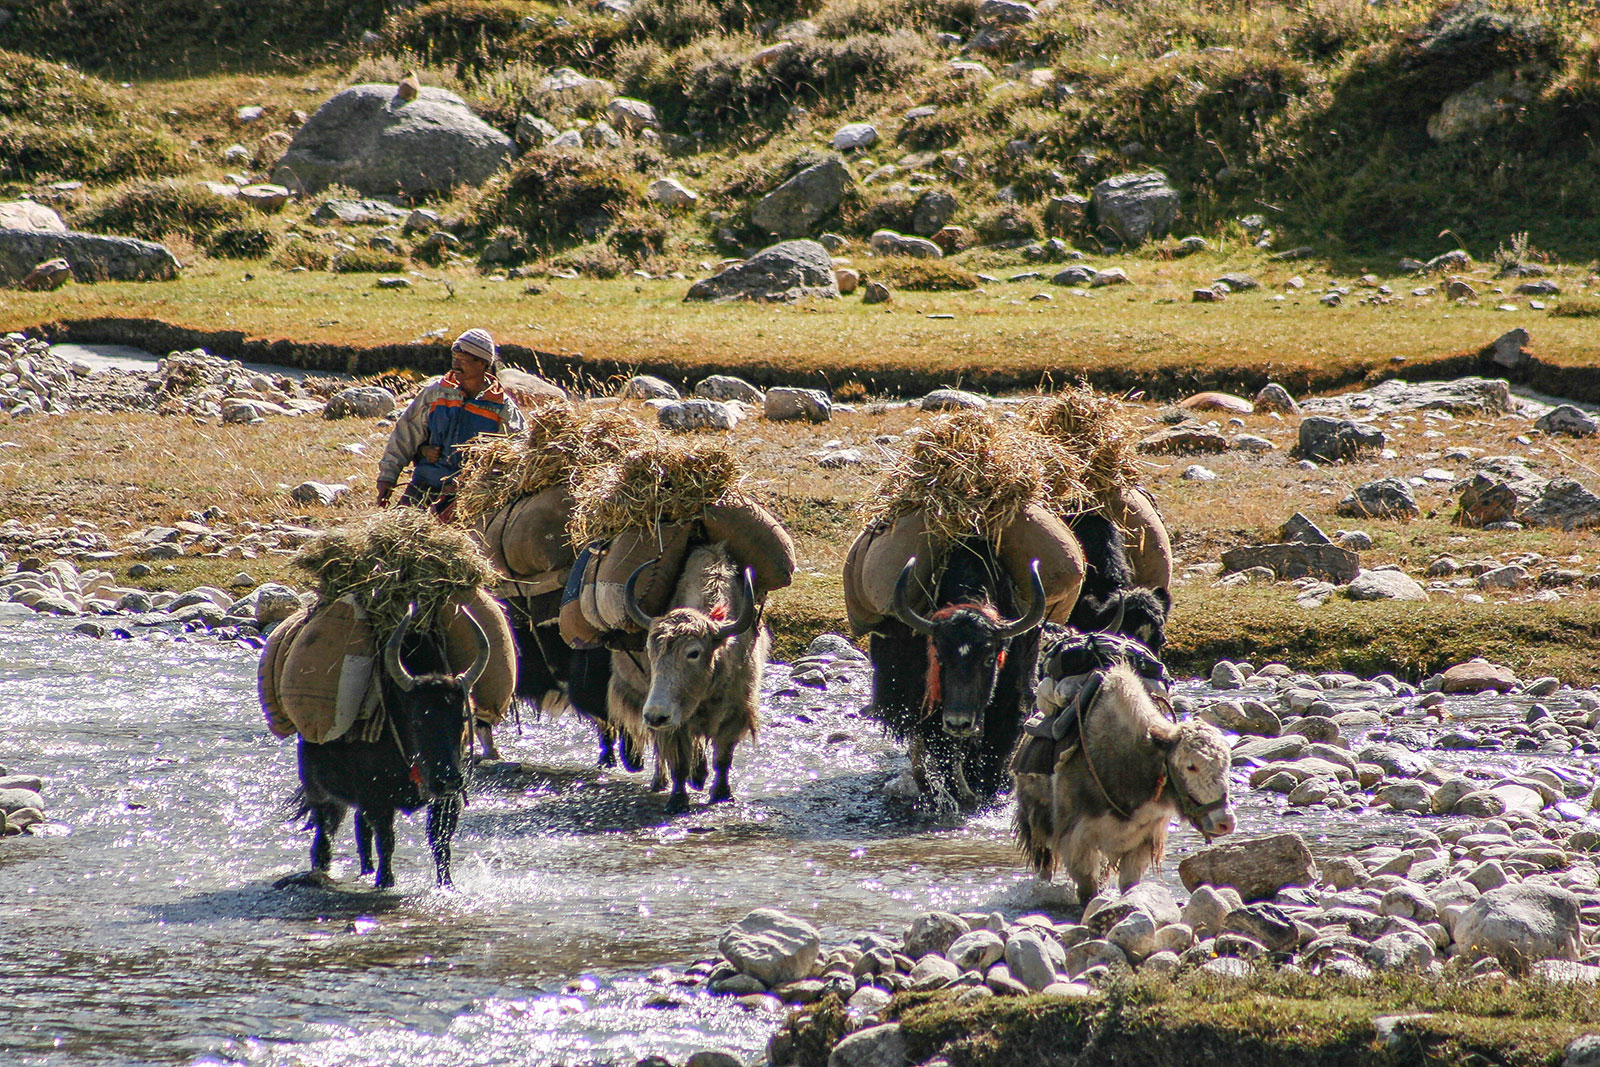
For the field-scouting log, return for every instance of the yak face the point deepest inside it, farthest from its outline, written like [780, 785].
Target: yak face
[684, 646]
[1145, 616]
[966, 650]
[432, 712]
[1197, 772]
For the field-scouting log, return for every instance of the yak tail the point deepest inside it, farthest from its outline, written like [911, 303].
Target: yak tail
[297, 809]
[1033, 825]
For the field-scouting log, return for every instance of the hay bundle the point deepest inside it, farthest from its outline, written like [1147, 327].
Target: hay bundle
[1097, 432]
[558, 446]
[666, 481]
[971, 473]
[395, 558]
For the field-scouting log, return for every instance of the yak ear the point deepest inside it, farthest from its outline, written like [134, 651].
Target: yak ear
[1164, 598]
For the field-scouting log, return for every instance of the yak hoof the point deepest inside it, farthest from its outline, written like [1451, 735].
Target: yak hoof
[306, 879]
[720, 794]
[677, 803]
[630, 758]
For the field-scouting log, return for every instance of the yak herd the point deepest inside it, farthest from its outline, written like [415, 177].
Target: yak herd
[986, 694]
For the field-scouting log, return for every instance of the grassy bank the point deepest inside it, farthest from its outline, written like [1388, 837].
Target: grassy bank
[1274, 1021]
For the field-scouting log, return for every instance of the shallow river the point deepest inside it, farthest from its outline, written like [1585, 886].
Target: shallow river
[141, 925]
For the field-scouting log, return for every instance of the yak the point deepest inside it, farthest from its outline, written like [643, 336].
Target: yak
[418, 760]
[552, 677]
[957, 683]
[700, 677]
[1102, 771]
[1111, 601]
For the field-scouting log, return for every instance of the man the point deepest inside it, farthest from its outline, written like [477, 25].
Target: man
[447, 413]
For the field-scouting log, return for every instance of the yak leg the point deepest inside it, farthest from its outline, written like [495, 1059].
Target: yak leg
[485, 735]
[443, 814]
[721, 761]
[674, 756]
[1083, 861]
[697, 765]
[364, 841]
[382, 821]
[1139, 859]
[325, 822]
[608, 740]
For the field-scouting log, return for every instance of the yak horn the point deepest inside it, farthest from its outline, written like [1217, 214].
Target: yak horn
[631, 602]
[391, 653]
[470, 677]
[1036, 609]
[902, 609]
[1115, 626]
[745, 617]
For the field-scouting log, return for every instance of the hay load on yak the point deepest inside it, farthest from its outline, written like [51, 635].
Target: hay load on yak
[678, 559]
[396, 570]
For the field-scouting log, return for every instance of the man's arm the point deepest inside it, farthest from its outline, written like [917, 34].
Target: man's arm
[410, 430]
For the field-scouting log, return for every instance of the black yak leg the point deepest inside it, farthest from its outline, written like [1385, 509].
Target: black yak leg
[485, 735]
[721, 761]
[325, 822]
[697, 765]
[382, 821]
[364, 842]
[588, 677]
[443, 814]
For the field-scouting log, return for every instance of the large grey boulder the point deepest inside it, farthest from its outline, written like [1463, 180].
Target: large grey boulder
[1257, 868]
[1386, 498]
[935, 208]
[783, 403]
[1295, 560]
[1385, 585]
[1134, 208]
[368, 138]
[790, 270]
[875, 1046]
[771, 946]
[363, 401]
[1522, 923]
[1565, 504]
[794, 208]
[1568, 419]
[93, 258]
[1329, 439]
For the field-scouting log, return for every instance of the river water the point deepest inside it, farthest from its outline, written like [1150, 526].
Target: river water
[141, 926]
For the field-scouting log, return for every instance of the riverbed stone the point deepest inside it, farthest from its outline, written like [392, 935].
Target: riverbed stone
[933, 931]
[697, 414]
[1385, 585]
[14, 800]
[1476, 676]
[1521, 923]
[784, 403]
[771, 946]
[1258, 868]
[647, 387]
[876, 1046]
[1034, 958]
[933, 972]
[976, 950]
[1329, 440]
[727, 387]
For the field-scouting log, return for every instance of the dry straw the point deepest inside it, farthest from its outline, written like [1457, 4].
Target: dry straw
[666, 481]
[559, 444]
[970, 473]
[1096, 430]
[393, 559]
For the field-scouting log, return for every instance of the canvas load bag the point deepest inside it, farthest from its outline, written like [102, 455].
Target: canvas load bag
[667, 544]
[573, 621]
[497, 686]
[528, 537]
[1149, 548]
[878, 555]
[268, 669]
[325, 682]
[756, 539]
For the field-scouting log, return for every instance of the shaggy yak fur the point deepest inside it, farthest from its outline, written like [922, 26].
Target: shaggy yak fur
[699, 679]
[1143, 760]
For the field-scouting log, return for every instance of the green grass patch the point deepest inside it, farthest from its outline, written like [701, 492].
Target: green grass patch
[365, 261]
[922, 275]
[157, 209]
[1577, 308]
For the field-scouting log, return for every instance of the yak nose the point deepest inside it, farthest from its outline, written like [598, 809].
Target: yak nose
[960, 724]
[657, 717]
[1217, 823]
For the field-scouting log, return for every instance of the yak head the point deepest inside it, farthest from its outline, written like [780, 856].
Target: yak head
[1137, 613]
[1197, 761]
[967, 644]
[432, 710]
[685, 646]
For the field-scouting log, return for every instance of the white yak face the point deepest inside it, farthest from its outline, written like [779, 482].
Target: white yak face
[1199, 765]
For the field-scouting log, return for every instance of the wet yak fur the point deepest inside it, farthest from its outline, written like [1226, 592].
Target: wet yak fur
[553, 677]
[957, 685]
[419, 760]
[1110, 601]
[699, 677]
[1149, 766]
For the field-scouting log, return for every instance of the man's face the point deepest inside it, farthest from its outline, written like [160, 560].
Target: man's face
[468, 368]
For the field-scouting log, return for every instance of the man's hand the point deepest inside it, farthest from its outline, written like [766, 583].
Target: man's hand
[384, 489]
[430, 453]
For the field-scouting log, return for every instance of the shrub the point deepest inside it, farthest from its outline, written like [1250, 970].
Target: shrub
[885, 211]
[886, 16]
[299, 252]
[1577, 308]
[923, 275]
[241, 242]
[596, 261]
[477, 35]
[640, 233]
[365, 261]
[158, 209]
[555, 197]
[1006, 222]
[675, 23]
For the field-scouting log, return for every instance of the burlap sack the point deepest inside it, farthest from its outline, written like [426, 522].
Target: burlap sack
[495, 688]
[757, 540]
[873, 566]
[533, 534]
[1038, 534]
[629, 550]
[325, 683]
[1149, 547]
[268, 669]
[573, 621]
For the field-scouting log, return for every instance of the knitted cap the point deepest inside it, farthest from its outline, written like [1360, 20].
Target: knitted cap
[477, 342]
